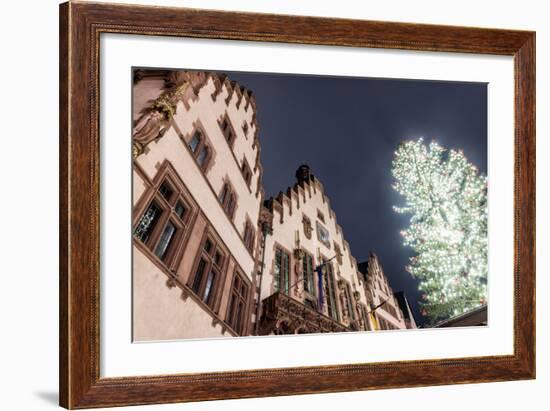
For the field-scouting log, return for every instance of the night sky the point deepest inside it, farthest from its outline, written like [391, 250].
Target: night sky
[346, 130]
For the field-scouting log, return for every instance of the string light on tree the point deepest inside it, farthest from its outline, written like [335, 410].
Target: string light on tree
[446, 197]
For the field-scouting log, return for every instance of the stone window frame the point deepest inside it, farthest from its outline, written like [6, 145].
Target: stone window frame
[228, 207]
[220, 269]
[165, 175]
[204, 144]
[246, 172]
[227, 129]
[240, 280]
[205, 141]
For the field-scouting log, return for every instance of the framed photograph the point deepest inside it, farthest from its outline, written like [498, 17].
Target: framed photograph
[260, 205]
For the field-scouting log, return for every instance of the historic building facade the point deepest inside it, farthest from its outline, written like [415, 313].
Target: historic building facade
[211, 258]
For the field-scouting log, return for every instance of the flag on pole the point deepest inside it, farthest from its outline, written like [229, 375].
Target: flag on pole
[319, 270]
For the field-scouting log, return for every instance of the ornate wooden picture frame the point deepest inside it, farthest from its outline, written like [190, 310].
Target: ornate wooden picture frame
[81, 25]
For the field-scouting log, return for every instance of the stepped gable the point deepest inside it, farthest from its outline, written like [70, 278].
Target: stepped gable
[306, 187]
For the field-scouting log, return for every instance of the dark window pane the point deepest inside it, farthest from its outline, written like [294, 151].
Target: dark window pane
[208, 246]
[198, 275]
[148, 222]
[218, 259]
[209, 288]
[230, 311]
[180, 210]
[223, 193]
[165, 240]
[166, 191]
[311, 276]
[331, 292]
[286, 272]
[195, 140]
[307, 273]
[277, 279]
[282, 271]
[230, 205]
[201, 158]
[239, 318]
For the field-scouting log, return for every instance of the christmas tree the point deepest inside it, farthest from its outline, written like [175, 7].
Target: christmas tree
[446, 197]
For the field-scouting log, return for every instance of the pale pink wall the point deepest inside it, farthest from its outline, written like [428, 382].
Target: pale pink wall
[307, 200]
[159, 311]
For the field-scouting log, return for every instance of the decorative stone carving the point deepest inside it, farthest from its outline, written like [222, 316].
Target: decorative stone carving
[299, 253]
[285, 315]
[308, 229]
[156, 119]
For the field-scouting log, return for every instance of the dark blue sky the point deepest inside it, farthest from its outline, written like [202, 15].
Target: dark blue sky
[346, 130]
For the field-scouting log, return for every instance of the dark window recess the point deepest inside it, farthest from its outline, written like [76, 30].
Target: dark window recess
[237, 304]
[148, 222]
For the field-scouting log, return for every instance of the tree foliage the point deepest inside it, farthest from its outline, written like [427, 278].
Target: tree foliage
[446, 197]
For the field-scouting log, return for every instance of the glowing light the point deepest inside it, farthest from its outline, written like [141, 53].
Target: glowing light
[447, 200]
